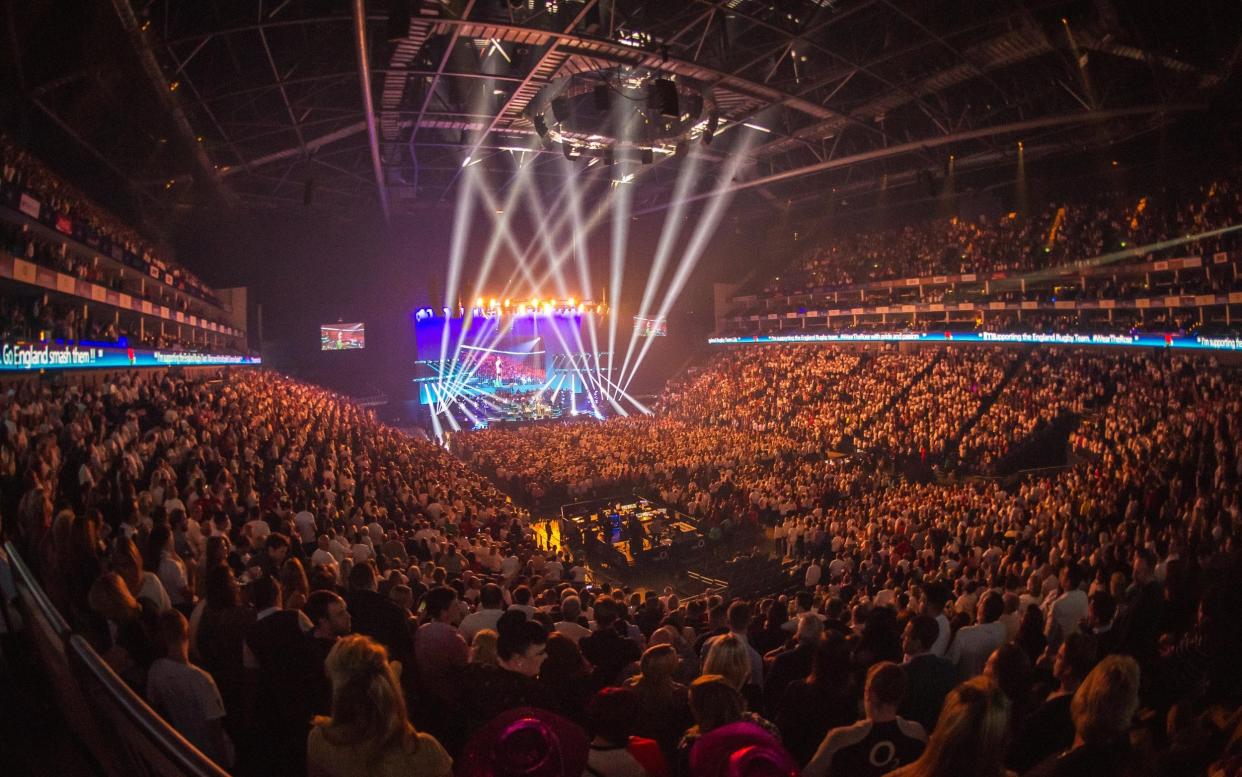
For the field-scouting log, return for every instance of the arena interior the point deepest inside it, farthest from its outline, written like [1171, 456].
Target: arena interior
[621, 388]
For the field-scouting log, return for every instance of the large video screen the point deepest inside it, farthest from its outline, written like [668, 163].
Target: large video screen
[650, 327]
[342, 337]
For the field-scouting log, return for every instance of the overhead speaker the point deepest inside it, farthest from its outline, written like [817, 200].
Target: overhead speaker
[398, 26]
[713, 121]
[560, 109]
[662, 95]
[648, 156]
[541, 126]
[681, 150]
[693, 108]
[609, 158]
[603, 98]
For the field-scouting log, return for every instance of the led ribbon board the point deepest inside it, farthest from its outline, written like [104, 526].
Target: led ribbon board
[29, 357]
[1140, 340]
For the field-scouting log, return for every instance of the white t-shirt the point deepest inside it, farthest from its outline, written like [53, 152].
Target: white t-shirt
[187, 697]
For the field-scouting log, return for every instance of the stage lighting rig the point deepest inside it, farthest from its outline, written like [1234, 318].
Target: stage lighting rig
[582, 111]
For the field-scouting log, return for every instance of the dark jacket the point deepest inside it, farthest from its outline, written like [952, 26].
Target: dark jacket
[929, 679]
[382, 619]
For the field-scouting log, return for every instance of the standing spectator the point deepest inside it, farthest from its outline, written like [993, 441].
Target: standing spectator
[439, 648]
[825, 700]
[491, 607]
[793, 665]
[972, 645]
[970, 736]
[929, 678]
[606, 649]
[185, 695]
[663, 703]
[369, 732]
[377, 616]
[615, 752]
[329, 614]
[1103, 710]
[879, 742]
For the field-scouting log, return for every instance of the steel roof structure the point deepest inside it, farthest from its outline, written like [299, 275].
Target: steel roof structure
[379, 104]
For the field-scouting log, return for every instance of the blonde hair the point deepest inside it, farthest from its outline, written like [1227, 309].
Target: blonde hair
[970, 735]
[483, 648]
[368, 706]
[729, 658]
[657, 667]
[1105, 703]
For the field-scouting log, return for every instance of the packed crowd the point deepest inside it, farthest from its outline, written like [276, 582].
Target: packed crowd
[1049, 384]
[22, 173]
[298, 588]
[1057, 234]
[937, 407]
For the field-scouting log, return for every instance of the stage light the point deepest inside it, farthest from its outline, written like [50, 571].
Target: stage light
[755, 127]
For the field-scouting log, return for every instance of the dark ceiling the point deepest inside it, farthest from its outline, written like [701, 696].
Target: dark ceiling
[258, 104]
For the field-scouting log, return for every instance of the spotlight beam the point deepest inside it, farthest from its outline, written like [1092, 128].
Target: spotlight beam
[703, 232]
[668, 238]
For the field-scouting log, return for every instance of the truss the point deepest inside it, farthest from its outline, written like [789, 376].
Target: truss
[266, 93]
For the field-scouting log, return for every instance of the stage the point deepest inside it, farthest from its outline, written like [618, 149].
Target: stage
[508, 367]
[624, 534]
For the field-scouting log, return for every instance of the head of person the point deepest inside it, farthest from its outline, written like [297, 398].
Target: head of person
[491, 597]
[729, 658]
[832, 665]
[522, 645]
[483, 648]
[368, 707]
[739, 617]
[920, 635]
[109, 597]
[1010, 667]
[402, 596]
[658, 666]
[174, 631]
[970, 734]
[1074, 659]
[329, 614]
[441, 604]
[935, 597]
[571, 608]
[810, 629]
[362, 577]
[221, 588]
[1104, 705]
[991, 607]
[1144, 566]
[714, 702]
[564, 659]
[884, 689]
[611, 714]
[277, 546]
[293, 577]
